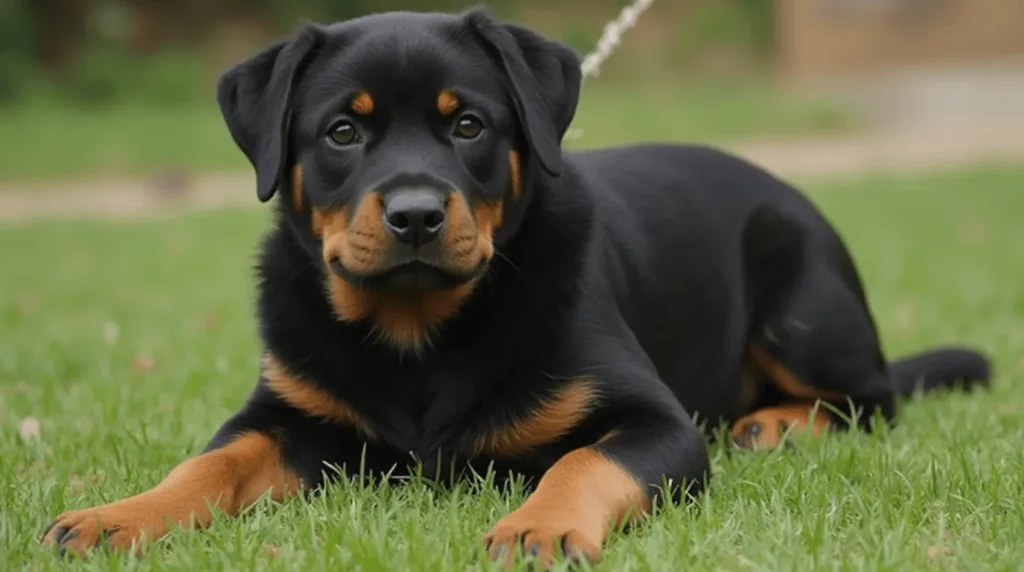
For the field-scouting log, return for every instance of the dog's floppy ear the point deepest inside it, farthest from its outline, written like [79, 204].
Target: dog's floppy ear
[255, 100]
[545, 78]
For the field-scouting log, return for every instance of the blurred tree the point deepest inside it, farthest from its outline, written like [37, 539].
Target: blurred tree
[95, 50]
[17, 32]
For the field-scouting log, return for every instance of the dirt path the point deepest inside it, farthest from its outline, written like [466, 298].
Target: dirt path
[895, 150]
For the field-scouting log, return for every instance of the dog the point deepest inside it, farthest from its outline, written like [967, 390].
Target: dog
[445, 288]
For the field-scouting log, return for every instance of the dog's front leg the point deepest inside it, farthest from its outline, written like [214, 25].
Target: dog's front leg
[594, 489]
[275, 445]
[229, 478]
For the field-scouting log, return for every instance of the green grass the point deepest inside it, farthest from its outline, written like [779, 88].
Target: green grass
[50, 142]
[941, 254]
[612, 114]
[46, 141]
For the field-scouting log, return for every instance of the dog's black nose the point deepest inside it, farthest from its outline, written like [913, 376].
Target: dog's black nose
[414, 217]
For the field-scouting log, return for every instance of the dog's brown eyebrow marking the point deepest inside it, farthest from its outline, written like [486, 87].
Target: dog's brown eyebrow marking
[550, 419]
[297, 187]
[362, 103]
[447, 103]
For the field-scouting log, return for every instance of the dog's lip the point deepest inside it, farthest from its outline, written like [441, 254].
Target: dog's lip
[411, 274]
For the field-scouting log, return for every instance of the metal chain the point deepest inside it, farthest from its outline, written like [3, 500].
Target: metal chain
[610, 40]
[612, 36]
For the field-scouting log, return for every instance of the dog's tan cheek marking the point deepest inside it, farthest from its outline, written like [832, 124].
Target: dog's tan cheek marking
[349, 303]
[362, 103]
[297, 187]
[515, 168]
[310, 399]
[459, 232]
[447, 103]
[488, 219]
[551, 419]
[230, 478]
[368, 240]
[332, 228]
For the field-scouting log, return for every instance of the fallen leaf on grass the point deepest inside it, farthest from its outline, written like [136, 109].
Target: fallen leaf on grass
[935, 551]
[143, 362]
[78, 484]
[30, 428]
[272, 551]
[35, 468]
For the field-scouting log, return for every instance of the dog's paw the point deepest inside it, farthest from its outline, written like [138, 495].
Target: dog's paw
[769, 428]
[543, 537]
[78, 532]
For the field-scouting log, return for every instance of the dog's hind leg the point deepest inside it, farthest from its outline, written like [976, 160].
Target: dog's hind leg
[812, 338]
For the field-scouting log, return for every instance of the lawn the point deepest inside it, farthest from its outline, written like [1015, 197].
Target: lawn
[130, 342]
[140, 139]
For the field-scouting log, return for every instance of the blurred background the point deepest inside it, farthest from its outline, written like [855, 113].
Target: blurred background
[124, 343]
[118, 95]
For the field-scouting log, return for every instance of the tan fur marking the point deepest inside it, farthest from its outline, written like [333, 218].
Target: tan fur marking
[469, 234]
[488, 219]
[766, 428]
[362, 103]
[404, 320]
[576, 502]
[230, 478]
[368, 243]
[358, 243]
[306, 397]
[297, 187]
[786, 381]
[549, 420]
[516, 169]
[447, 103]
[409, 323]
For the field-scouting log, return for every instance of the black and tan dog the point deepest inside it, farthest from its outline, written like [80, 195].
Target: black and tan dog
[445, 287]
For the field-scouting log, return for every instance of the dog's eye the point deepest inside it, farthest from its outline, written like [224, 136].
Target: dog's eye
[468, 127]
[343, 133]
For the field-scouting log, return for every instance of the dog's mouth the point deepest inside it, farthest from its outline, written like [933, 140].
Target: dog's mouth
[413, 275]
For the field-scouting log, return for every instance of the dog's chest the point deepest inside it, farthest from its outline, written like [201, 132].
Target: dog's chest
[429, 421]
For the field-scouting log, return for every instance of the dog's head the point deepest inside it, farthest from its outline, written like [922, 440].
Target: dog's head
[407, 145]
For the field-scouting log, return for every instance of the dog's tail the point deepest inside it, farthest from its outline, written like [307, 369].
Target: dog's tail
[941, 368]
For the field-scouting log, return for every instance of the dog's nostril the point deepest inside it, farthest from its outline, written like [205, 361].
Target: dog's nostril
[434, 219]
[399, 221]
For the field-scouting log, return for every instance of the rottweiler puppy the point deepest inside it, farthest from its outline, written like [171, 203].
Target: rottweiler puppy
[445, 288]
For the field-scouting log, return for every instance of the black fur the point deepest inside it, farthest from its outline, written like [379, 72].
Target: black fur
[649, 269]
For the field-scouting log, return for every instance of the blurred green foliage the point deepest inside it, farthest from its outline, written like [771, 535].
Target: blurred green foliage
[92, 53]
